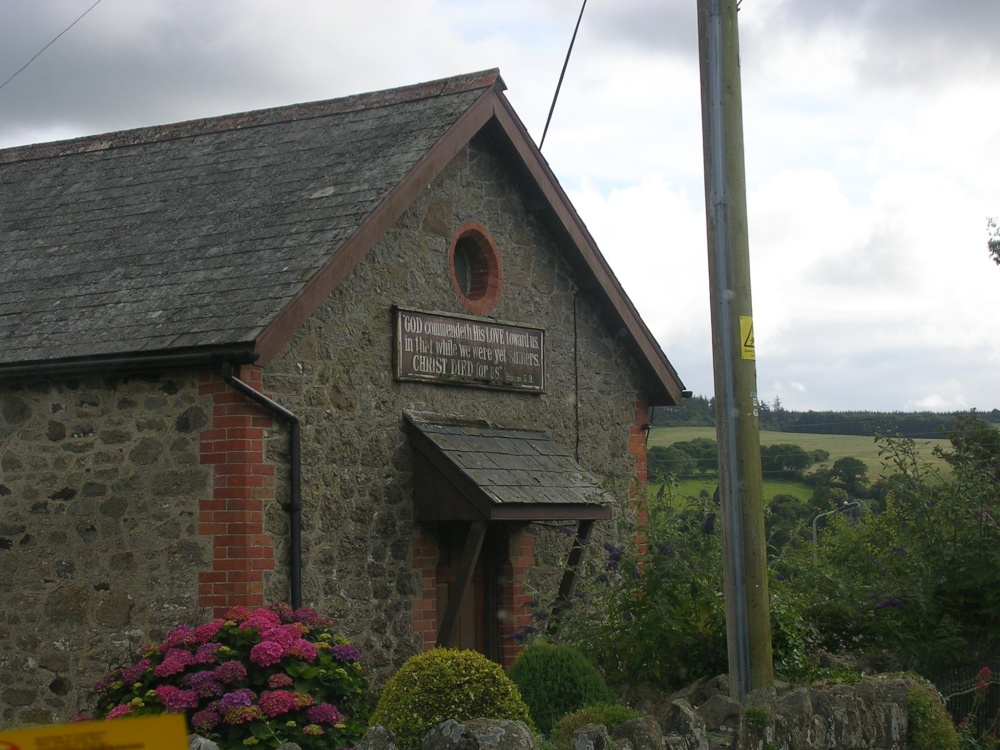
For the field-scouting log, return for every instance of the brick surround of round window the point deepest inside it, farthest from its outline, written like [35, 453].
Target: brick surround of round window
[475, 269]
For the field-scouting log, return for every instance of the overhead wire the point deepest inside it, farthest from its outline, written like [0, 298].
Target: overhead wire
[54, 40]
[555, 97]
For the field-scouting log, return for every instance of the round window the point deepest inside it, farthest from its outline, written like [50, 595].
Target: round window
[475, 269]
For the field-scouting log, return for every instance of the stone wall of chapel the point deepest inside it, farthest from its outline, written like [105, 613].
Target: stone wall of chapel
[337, 376]
[100, 480]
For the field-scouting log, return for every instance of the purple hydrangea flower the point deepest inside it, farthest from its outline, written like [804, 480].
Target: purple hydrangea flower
[888, 603]
[206, 720]
[205, 683]
[345, 653]
[133, 674]
[241, 697]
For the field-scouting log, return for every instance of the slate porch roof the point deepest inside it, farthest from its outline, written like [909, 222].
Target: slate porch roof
[226, 234]
[477, 470]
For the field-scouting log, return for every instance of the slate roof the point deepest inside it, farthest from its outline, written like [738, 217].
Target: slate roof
[224, 235]
[199, 234]
[494, 466]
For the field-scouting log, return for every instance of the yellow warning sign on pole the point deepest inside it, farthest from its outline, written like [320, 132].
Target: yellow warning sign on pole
[746, 337]
[166, 732]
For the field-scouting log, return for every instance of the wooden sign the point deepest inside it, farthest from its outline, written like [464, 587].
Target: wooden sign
[165, 732]
[456, 350]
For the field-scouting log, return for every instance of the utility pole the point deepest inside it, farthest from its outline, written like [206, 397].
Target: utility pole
[748, 623]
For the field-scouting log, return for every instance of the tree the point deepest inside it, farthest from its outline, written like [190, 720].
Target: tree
[784, 458]
[993, 243]
[852, 474]
[670, 460]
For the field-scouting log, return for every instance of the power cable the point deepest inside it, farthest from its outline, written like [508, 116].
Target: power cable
[561, 75]
[19, 70]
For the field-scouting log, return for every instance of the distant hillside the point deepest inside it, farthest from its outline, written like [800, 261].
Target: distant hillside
[698, 412]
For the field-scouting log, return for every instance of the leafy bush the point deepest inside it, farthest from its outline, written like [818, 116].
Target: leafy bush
[446, 684]
[930, 726]
[556, 679]
[656, 617]
[266, 676]
[920, 581]
[609, 714]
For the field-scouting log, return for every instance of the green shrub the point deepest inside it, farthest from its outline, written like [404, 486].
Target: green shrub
[446, 684]
[609, 714]
[930, 725]
[556, 679]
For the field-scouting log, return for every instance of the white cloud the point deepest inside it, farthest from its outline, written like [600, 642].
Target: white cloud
[870, 142]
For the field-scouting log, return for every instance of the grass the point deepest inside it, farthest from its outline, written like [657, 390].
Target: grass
[838, 446]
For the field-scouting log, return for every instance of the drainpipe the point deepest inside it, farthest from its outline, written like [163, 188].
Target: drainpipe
[294, 507]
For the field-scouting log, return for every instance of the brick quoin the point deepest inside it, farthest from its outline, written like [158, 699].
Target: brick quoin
[515, 602]
[637, 447]
[425, 560]
[242, 483]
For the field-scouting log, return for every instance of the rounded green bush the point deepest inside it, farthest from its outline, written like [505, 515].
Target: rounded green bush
[446, 684]
[556, 679]
[930, 725]
[610, 715]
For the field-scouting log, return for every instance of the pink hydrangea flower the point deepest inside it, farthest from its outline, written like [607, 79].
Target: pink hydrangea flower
[279, 680]
[276, 702]
[302, 649]
[261, 618]
[324, 713]
[174, 662]
[209, 630]
[181, 700]
[267, 653]
[182, 635]
[238, 613]
[230, 671]
[243, 715]
[118, 711]
[283, 634]
[206, 653]
[164, 691]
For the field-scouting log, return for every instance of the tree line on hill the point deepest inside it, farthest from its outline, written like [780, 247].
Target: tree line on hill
[699, 411]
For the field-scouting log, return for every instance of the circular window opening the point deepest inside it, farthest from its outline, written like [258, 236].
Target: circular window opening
[475, 270]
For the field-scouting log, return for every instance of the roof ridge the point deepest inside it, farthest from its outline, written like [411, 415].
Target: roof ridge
[255, 118]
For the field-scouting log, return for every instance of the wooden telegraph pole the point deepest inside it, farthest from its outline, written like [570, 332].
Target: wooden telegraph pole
[748, 624]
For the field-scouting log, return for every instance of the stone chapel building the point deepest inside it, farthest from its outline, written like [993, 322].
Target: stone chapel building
[359, 354]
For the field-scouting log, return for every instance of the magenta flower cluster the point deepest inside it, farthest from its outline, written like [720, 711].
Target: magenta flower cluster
[256, 673]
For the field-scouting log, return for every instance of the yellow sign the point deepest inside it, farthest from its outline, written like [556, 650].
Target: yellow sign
[166, 732]
[746, 337]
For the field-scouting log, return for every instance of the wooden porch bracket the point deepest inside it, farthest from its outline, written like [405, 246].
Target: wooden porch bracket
[569, 579]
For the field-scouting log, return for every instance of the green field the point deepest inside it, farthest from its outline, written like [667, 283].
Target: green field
[838, 446]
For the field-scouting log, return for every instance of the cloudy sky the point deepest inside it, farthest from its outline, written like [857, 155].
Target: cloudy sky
[871, 129]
